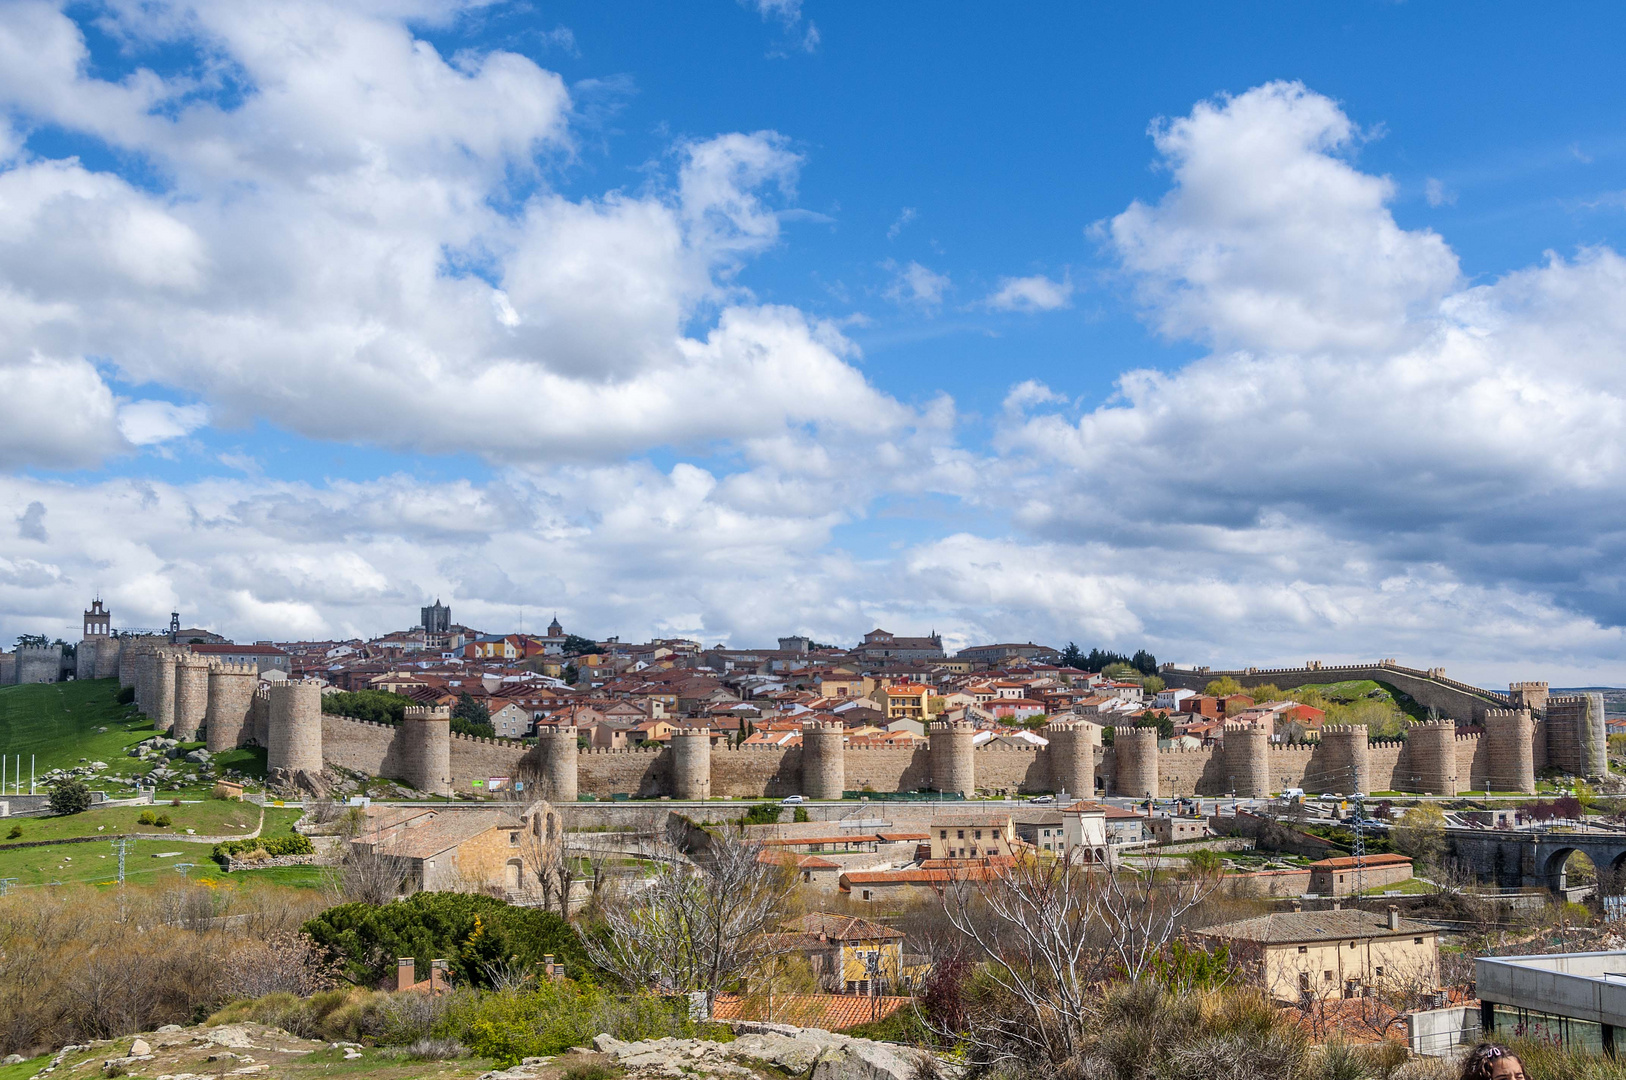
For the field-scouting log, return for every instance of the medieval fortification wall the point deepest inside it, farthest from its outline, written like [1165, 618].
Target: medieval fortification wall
[1503, 751]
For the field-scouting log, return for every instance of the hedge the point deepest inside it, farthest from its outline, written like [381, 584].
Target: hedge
[292, 844]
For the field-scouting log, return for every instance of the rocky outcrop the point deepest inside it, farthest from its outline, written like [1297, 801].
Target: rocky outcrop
[809, 1052]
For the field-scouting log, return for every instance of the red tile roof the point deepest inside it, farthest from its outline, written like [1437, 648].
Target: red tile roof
[832, 1012]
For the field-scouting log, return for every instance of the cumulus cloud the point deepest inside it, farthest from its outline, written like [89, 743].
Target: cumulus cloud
[915, 285]
[1389, 455]
[1270, 239]
[365, 247]
[1031, 294]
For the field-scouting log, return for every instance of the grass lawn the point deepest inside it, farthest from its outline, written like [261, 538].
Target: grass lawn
[215, 817]
[145, 861]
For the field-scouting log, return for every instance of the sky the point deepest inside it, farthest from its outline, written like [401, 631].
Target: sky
[1245, 335]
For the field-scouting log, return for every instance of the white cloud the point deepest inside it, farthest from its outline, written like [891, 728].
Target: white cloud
[1031, 294]
[1415, 467]
[1270, 240]
[311, 262]
[913, 284]
[907, 215]
[143, 423]
[1435, 193]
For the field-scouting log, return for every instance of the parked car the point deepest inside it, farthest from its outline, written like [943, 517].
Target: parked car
[1042, 799]
[793, 800]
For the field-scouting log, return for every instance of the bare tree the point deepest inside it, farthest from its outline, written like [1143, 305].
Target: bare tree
[544, 853]
[372, 876]
[695, 927]
[1053, 929]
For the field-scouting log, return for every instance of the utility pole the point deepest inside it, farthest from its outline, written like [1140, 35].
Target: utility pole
[1360, 846]
[118, 845]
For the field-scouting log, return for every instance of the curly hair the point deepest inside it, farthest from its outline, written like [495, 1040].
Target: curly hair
[1477, 1064]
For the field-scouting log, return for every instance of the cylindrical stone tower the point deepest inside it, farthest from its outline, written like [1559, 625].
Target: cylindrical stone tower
[295, 735]
[228, 722]
[1510, 757]
[557, 752]
[1345, 766]
[163, 690]
[1577, 738]
[954, 768]
[1247, 760]
[426, 748]
[1071, 751]
[1136, 751]
[191, 695]
[691, 763]
[1432, 747]
[824, 766]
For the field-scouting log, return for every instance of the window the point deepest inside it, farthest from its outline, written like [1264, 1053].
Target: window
[1416, 941]
[1352, 944]
[1326, 976]
[959, 834]
[979, 834]
[1304, 981]
[513, 839]
[943, 834]
[1378, 972]
[1304, 948]
[866, 894]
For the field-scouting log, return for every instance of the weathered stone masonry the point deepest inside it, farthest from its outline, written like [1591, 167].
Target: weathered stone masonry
[179, 692]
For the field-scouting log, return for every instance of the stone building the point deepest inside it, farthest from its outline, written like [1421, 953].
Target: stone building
[1333, 954]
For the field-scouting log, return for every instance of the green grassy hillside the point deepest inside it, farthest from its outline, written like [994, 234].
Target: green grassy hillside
[59, 723]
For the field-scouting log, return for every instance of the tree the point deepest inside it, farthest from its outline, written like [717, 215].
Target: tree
[32, 641]
[1052, 930]
[1071, 657]
[1143, 662]
[69, 797]
[572, 674]
[543, 851]
[1224, 686]
[377, 706]
[1154, 684]
[576, 645]
[696, 928]
[480, 936]
[1420, 833]
[471, 717]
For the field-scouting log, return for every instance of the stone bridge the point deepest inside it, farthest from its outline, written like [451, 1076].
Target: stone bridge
[1522, 860]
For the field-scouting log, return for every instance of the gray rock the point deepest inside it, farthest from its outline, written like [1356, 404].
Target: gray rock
[13, 1059]
[139, 1048]
[170, 1027]
[198, 757]
[863, 1059]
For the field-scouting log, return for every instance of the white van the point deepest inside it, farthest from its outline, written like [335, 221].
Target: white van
[1293, 793]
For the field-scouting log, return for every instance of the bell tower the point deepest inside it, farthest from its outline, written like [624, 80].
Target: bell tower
[98, 620]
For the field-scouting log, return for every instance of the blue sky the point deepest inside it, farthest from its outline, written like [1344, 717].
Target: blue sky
[1246, 335]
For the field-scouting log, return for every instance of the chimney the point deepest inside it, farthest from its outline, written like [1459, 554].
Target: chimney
[1338, 905]
[438, 983]
[1394, 917]
[1298, 905]
[406, 972]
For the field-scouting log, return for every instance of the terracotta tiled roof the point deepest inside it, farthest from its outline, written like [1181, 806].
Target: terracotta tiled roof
[1347, 862]
[1290, 927]
[446, 831]
[832, 1012]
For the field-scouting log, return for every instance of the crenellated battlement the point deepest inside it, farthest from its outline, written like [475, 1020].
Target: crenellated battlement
[233, 667]
[823, 725]
[427, 712]
[1341, 730]
[951, 725]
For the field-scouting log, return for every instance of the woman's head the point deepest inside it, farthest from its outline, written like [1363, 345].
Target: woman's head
[1492, 1061]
